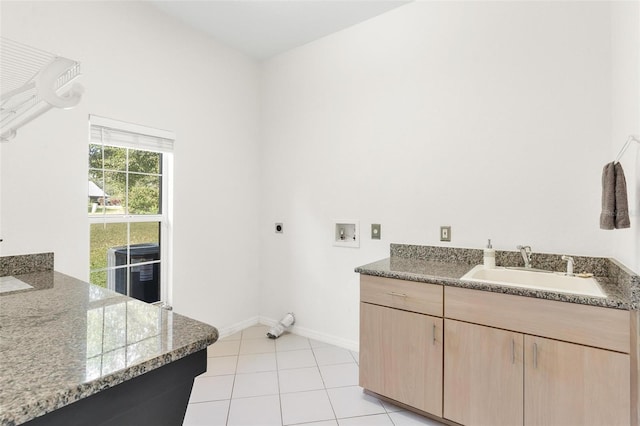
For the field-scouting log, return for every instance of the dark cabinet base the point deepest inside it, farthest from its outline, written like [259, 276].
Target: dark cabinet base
[158, 397]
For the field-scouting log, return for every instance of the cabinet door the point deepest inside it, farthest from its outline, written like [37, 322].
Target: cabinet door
[375, 346]
[483, 374]
[401, 356]
[568, 384]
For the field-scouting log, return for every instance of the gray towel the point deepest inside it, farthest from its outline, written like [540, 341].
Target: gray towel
[607, 216]
[622, 204]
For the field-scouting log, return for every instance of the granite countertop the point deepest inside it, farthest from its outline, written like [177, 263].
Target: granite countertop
[64, 340]
[449, 271]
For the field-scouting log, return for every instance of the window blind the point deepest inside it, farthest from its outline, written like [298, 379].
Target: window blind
[128, 135]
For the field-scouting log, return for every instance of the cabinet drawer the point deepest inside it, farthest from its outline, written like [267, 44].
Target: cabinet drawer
[407, 295]
[587, 325]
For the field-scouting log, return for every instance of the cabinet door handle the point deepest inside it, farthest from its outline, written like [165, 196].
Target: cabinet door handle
[535, 355]
[513, 351]
[433, 332]
[393, 293]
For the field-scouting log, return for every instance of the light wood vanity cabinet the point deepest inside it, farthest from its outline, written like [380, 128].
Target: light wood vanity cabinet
[481, 358]
[483, 376]
[399, 358]
[498, 377]
[401, 351]
[537, 380]
[569, 384]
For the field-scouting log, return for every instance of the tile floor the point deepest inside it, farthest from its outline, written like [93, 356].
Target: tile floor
[253, 380]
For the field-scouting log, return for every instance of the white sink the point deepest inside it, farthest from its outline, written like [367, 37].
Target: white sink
[549, 281]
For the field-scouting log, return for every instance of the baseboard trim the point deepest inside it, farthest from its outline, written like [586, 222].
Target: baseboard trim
[239, 326]
[315, 335]
[267, 321]
[301, 331]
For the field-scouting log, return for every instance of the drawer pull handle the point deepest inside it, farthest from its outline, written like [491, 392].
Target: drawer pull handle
[393, 293]
[513, 351]
[535, 355]
[434, 333]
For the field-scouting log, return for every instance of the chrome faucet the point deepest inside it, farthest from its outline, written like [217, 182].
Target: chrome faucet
[570, 263]
[525, 252]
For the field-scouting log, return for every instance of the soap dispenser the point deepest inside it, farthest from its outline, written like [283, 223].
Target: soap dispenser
[489, 256]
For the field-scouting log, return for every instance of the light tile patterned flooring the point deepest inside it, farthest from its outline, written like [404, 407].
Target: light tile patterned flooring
[254, 380]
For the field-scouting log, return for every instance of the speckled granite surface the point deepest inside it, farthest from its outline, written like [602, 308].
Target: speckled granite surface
[552, 262]
[628, 282]
[24, 264]
[65, 340]
[446, 265]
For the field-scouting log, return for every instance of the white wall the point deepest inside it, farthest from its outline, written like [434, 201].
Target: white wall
[625, 108]
[140, 66]
[491, 117]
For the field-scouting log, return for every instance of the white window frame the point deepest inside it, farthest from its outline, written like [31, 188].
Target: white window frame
[150, 139]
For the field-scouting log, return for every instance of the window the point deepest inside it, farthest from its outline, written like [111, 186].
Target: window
[129, 208]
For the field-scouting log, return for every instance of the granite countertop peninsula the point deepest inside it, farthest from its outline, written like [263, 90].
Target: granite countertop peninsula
[445, 266]
[64, 340]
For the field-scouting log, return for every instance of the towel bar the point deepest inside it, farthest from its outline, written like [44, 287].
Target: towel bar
[631, 138]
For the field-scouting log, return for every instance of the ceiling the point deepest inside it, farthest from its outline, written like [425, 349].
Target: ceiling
[265, 28]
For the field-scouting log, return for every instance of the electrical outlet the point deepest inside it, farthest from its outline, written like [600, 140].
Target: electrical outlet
[375, 231]
[445, 233]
